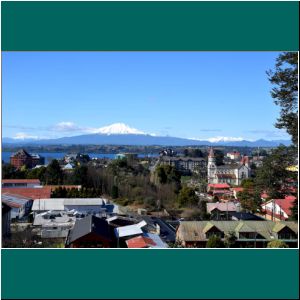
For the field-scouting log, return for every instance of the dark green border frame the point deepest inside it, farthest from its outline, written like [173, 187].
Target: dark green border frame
[150, 26]
[140, 26]
[150, 274]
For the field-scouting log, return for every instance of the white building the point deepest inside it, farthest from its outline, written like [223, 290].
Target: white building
[278, 209]
[82, 205]
[230, 173]
[52, 224]
[234, 155]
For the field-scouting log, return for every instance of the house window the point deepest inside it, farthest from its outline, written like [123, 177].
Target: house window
[214, 233]
[250, 235]
[286, 236]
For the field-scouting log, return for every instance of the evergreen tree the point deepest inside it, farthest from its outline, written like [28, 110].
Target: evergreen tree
[273, 176]
[294, 211]
[187, 197]
[53, 173]
[285, 92]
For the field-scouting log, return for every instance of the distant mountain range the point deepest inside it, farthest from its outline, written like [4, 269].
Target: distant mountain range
[121, 134]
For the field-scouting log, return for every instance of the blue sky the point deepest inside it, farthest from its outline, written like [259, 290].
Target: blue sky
[185, 94]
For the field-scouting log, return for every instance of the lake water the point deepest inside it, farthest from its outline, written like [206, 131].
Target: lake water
[59, 155]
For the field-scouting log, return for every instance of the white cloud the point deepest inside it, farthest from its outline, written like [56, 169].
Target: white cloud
[23, 136]
[66, 127]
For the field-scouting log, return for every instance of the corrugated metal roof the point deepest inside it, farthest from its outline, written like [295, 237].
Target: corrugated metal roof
[128, 230]
[48, 204]
[194, 230]
[157, 240]
[14, 200]
[60, 203]
[228, 206]
[83, 201]
[147, 240]
[34, 193]
[21, 181]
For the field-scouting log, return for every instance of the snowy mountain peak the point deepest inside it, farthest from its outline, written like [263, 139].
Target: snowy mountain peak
[219, 139]
[119, 128]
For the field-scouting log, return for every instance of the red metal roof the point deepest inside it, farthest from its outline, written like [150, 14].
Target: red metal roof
[238, 189]
[140, 242]
[219, 185]
[33, 193]
[290, 198]
[21, 181]
[37, 193]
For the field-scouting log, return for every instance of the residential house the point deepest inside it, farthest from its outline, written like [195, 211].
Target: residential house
[234, 155]
[278, 209]
[257, 234]
[220, 190]
[221, 211]
[68, 167]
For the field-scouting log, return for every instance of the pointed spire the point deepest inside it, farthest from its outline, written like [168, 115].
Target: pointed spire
[211, 152]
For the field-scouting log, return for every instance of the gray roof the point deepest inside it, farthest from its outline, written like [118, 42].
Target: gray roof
[14, 200]
[90, 224]
[228, 206]
[60, 203]
[21, 152]
[54, 219]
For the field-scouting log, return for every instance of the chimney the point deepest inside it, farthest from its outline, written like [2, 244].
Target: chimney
[157, 229]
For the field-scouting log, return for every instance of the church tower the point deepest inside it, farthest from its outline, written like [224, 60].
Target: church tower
[211, 166]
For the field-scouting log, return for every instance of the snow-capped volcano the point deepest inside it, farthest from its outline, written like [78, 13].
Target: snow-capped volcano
[118, 128]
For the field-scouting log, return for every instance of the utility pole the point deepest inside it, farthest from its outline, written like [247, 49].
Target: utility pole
[273, 209]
